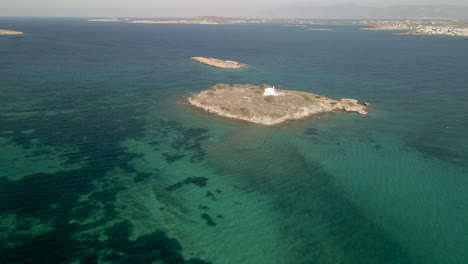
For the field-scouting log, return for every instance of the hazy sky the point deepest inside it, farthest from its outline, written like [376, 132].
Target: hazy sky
[186, 8]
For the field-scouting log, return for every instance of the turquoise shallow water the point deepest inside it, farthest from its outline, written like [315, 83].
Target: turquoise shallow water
[101, 161]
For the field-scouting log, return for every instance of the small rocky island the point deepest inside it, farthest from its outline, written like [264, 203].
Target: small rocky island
[266, 105]
[10, 32]
[227, 64]
[106, 20]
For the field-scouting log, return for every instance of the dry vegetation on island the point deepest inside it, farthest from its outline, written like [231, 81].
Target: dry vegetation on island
[246, 102]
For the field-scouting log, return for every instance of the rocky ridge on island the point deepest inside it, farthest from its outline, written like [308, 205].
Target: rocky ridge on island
[226, 64]
[10, 32]
[247, 102]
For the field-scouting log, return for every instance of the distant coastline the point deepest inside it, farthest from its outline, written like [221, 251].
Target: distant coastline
[416, 27]
[318, 29]
[203, 20]
[216, 20]
[411, 27]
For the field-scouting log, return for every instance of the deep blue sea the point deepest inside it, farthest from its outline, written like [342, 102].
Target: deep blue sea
[102, 161]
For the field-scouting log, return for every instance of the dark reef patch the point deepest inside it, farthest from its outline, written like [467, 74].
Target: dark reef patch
[172, 158]
[208, 219]
[94, 133]
[108, 195]
[143, 176]
[61, 247]
[174, 186]
[82, 212]
[426, 146]
[53, 247]
[148, 248]
[311, 131]
[211, 196]
[203, 207]
[37, 192]
[90, 259]
[153, 143]
[89, 113]
[183, 140]
[198, 181]
[191, 139]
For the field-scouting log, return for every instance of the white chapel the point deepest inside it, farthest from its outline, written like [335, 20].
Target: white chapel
[270, 91]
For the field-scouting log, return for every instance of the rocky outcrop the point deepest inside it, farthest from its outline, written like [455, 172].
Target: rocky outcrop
[246, 102]
[227, 64]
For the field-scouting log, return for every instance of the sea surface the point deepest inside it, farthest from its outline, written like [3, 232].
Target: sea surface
[102, 161]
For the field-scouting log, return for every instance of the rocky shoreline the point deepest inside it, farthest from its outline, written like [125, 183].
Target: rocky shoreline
[226, 64]
[246, 102]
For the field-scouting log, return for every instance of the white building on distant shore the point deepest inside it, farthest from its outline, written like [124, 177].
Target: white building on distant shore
[270, 91]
